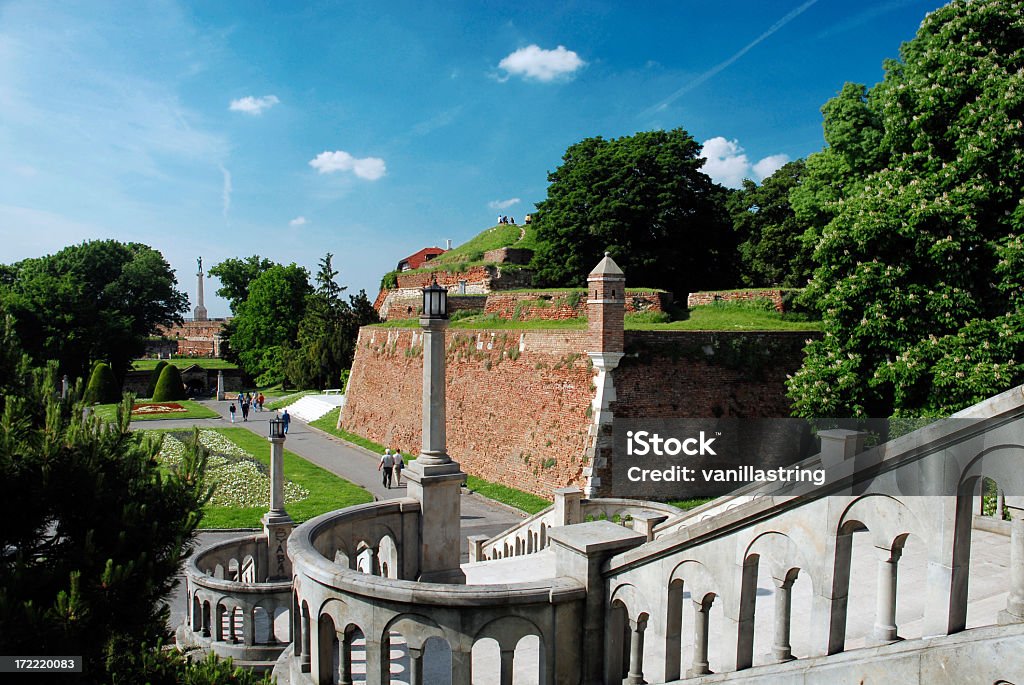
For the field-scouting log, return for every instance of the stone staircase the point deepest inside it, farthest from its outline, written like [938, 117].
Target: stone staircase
[312, 407]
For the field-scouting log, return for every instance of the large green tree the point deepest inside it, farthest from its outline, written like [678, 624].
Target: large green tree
[96, 300]
[327, 334]
[236, 275]
[920, 203]
[773, 249]
[644, 199]
[267, 321]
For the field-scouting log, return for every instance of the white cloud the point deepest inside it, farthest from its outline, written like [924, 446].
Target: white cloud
[536, 63]
[298, 221]
[225, 192]
[769, 165]
[369, 168]
[503, 204]
[253, 105]
[728, 164]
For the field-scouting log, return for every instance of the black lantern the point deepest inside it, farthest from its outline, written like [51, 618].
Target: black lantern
[435, 301]
[277, 429]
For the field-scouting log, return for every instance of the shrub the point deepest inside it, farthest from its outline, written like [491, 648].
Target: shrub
[154, 376]
[169, 387]
[103, 388]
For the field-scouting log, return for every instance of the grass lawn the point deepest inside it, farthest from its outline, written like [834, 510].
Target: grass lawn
[194, 410]
[327, 492]
[289, 399]
[183, 363]
[492, 322]
[726, 318]
[691, 503]
[328, 423]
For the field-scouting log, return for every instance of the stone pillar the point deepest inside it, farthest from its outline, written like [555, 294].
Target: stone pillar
[415, 666]
[701, 623]
[567, 506]
[644, 523]
[305, 658]
[344, 658]
[782, 650]
[636, 652]
[507, 659]
[1014, 612]
[220, 385]
[249, 627]
[199, 313]
[885, 628]
[580, 550]
[277, 524]
[378, 661]
[231, 625]
[462, 667]
[433, 478]
[64, 386]
[476, 547]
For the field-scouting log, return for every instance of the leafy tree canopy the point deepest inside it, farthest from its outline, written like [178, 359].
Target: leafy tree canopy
[236, 275]
[920, 202]
[644, 199]
[772, 247]
[96, 300]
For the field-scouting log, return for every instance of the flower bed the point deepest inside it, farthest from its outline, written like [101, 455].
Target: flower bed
[157, 408]
[238, 478]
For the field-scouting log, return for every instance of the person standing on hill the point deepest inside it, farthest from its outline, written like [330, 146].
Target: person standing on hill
[387, 463]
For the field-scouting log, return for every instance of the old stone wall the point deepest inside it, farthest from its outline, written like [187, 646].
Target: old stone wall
[509, 255]
[712, 296]
[203, 380]
[194, 338]
[518, 402]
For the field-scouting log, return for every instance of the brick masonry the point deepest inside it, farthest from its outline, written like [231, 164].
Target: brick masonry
[712, 296]
[519, 401]
[195, 338]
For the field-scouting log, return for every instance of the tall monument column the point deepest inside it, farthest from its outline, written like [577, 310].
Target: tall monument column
[433, 478]
[277, 524]
[199, 313]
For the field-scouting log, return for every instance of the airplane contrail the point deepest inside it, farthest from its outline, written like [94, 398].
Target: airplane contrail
[793, 14]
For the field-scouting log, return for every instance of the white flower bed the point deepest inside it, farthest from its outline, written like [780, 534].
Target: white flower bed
[237, 479]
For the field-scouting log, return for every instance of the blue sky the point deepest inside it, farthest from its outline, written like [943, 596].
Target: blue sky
[291, 129]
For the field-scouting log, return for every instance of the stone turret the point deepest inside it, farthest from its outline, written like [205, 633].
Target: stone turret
[606, 312]
[199, 313]
[606, 306]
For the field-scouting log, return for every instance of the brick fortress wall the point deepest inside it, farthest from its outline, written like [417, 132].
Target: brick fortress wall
[195, 338]
[518, 402]
[775, 295]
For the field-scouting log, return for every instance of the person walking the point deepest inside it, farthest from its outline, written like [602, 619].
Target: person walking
[399, 465]
[259, 402]
[231, 411]
[387, 463]
[287, 418]
[245, 410]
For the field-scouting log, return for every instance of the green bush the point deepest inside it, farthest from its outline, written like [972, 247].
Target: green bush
[103, 388]
[154, 376]
[169, 387]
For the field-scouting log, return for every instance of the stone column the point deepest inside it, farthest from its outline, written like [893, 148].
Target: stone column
[220, 385]
[305, 659]
[378, 661]
[1014, 612]
[462, 667]
[415, 666]
[636, 652]
[344, 658]
[248, 627]
[231, 625]
[701, 611]
[782, 650]
[567, 506]
[507, 658]
[433, 478]
[277, 524]
[64, 386]
[885, 608]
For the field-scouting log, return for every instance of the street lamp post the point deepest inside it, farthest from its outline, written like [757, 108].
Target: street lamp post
[433, 478]
[277, 524]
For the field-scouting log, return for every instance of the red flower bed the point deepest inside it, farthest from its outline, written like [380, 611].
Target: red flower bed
[158, 408]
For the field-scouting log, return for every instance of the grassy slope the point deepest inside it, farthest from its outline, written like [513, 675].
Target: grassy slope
[327, 492]
[108, 412]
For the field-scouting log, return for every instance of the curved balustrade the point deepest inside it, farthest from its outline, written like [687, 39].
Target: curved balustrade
[337, 605]
[530, 535]
[232, 609]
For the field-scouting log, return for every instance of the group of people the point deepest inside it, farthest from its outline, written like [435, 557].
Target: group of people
[246, 401]
[391, 466]
[512, 220]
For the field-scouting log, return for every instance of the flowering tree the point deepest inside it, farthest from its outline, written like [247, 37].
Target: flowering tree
[920, 203]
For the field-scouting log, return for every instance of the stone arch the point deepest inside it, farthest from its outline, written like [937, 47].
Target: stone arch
[543, 535]
[529, 542]
[885, 517]
[387, 557]
[416, 628]
[327, 646]
[507, 631]
[207, 618]
[197, 613]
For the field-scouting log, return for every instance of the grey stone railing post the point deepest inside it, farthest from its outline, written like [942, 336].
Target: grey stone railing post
[636, 652]
[645, 521]
[507, 662]
[476, 547]
[1014, 612]
[415, 666]
[580, 551]
[885, 610]
[567, 506]
[701, 625]
[838, 445]
[782, 649]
